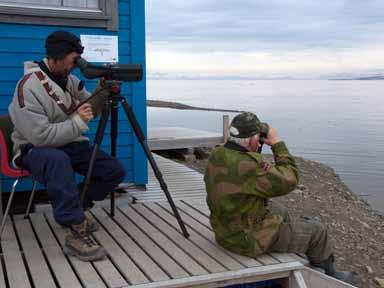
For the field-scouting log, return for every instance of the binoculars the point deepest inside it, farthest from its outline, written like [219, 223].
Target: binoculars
[264, 130]
[263, 135]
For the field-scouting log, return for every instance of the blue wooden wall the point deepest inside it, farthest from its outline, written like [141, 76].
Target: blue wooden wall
[19, 43]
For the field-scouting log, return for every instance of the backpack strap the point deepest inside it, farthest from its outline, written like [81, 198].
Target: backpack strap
[20, 92]
[53, 95]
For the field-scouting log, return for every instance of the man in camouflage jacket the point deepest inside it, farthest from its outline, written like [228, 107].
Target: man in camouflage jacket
[239, 181]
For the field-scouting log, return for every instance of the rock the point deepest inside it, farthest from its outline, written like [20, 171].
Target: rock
[301, 187]
[369, 269]
[380, 282]
[364, 224]
[190, 157]
[200, 153]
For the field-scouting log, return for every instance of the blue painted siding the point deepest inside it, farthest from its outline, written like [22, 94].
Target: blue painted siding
[139, 88]
[19, 43]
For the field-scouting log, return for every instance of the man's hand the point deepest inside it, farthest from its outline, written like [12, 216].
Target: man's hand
[85, 112]
[272, 137]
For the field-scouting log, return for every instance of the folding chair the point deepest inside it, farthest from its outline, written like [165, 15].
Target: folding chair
[6, 128]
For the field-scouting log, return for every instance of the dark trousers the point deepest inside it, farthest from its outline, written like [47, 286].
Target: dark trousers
[55, 167]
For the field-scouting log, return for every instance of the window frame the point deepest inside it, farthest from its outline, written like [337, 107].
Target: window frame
[106, 17]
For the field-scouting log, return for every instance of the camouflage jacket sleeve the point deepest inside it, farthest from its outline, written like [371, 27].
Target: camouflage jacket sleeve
[278, 179]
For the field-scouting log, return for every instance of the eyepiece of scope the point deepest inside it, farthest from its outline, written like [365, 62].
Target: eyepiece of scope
[81, 63]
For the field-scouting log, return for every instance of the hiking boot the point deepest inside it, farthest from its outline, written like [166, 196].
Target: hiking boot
[79, 243]
[330, 269]
[92, 225]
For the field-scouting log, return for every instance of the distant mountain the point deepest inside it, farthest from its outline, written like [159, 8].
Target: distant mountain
[366, 75]
[201, 76]
[361, 75]
[378, 77]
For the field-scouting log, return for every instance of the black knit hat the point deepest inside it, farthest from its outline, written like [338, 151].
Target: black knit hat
[60, 43]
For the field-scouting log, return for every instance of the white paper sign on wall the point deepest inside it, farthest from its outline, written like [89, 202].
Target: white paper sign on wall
[100, 48]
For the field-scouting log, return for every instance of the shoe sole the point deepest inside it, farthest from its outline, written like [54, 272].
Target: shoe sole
[98, 256]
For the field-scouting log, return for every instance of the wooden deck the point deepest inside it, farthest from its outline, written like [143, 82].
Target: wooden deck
[144, 243]
[145, 250]
[177, 138]
[183, 183]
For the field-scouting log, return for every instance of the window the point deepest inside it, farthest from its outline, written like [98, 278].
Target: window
[85, 13]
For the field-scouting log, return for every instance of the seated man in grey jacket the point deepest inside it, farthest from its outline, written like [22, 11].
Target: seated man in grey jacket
[49, 142]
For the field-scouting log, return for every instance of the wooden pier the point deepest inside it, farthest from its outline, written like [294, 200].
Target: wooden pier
[144, 244]
[166, 138]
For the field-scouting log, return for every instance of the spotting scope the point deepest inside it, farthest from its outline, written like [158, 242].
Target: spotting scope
[120, 72]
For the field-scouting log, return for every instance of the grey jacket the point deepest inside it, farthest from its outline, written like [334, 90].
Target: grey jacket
[38, 117]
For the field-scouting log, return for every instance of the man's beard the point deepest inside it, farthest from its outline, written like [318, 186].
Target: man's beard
[61, 78]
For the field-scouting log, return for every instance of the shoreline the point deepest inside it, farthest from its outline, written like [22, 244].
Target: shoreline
[357, 228]
[181, 106]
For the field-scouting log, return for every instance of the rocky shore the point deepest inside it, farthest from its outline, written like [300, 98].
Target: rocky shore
[357, 229]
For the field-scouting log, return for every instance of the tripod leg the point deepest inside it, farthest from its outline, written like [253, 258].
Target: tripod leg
[98, 138]
[139, 134]
[114, 124]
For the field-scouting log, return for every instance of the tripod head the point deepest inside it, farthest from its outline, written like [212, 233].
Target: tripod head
[120, 72]
[111, 91]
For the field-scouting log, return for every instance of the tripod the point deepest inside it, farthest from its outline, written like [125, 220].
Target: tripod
[111, 107]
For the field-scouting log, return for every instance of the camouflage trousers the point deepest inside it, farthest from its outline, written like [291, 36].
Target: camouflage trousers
[307, 237]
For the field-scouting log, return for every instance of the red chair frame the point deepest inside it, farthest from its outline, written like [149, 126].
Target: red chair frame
[7, 170]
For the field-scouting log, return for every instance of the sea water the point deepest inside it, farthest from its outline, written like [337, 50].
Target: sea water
[337, 122]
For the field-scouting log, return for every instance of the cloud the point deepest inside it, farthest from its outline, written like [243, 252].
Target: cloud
[265, 32]
[300, 63]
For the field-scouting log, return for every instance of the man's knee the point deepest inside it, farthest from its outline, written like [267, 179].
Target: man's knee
[57, 156]
[279, 209]
[321, 246]
[117, 171]
[46, 162]
[320, 232]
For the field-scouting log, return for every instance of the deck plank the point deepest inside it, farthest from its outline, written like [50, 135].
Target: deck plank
[14, 265]
[267, 259]
[62, 270]
[148, 245]
[199, 205]
[194, 213]
[178, 178]
[120, 259]
[181, 257]
[223, 279]
[188, 246]
[159, 194]
[86, 272]
[146, 264]
[216, 252]
[38, 267]
[283, 258]
[2, 278]
[206, 232]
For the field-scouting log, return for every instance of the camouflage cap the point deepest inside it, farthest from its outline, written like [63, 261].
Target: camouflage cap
[244, 125]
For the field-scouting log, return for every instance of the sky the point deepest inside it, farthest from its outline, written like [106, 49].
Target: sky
[264, 38]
